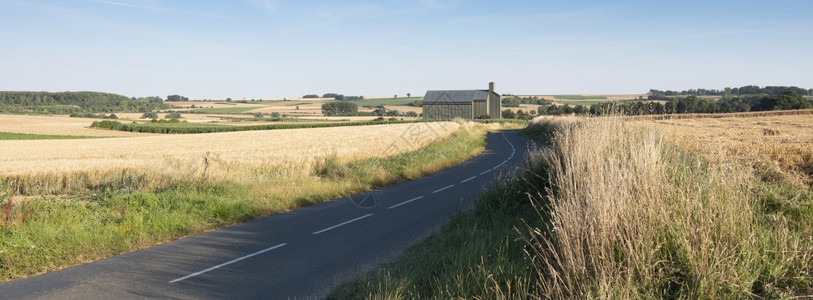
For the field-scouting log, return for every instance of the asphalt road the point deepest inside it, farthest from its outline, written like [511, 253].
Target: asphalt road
[299, 254]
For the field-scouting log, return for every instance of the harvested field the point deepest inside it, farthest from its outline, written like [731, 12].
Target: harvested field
[780, 144]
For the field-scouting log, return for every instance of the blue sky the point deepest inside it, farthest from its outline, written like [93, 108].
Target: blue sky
[279, 48]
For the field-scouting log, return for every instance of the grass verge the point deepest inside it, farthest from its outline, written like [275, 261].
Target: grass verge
[45, 233]
[619, 214]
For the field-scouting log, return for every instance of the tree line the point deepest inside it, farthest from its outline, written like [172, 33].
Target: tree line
[515, 101]
[75, 102]
[345, 108]
[789, 100]
[335, 96]
[178, 98]
[728, 92]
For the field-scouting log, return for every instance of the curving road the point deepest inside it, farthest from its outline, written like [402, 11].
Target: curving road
[299, 254]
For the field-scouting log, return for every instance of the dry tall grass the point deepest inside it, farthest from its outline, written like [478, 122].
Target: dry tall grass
[633, 217]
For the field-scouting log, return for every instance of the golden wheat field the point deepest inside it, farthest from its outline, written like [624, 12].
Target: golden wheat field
[781, 144]
[56, 125]
[173, 154]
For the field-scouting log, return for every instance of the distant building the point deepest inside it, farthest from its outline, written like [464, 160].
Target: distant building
[466, 104]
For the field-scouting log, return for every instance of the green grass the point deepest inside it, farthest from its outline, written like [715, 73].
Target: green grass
[27, 136]
[578, 97]
[51, 232]
[387, 101]
[224, 110]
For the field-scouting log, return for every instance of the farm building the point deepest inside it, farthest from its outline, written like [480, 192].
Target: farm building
[466, 104]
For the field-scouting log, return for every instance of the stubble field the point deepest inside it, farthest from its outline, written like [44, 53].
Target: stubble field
[780, 146]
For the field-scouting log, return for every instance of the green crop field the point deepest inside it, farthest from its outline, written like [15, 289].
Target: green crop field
[27, 136]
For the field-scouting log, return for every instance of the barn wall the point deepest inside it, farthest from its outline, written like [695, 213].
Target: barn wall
[446, 111]
[479, 108]
[494, 106]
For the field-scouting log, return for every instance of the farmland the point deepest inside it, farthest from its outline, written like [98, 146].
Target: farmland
[75, 201]
[295, 149]
[28, 136]
[224, 110]
[56, 125]
[715, 208]
[305, 108]
[782, 146]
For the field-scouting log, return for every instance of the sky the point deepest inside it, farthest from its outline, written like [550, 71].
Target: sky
[213, 49]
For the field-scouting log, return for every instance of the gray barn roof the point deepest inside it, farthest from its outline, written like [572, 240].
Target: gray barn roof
[454, 96]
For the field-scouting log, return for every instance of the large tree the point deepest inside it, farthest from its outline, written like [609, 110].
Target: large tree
[340, 108]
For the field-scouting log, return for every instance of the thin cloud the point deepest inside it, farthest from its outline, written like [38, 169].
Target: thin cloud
[139, 5]
[153, 6]
[264, 4]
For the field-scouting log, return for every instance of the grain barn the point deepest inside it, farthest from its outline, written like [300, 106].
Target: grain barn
[466, 104]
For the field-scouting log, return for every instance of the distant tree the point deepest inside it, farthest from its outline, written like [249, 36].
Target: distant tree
[580, 110]
[113, 116]
[380, 111]
[258, 115]
[173, 115]
[339, 108]
[275, 115]
[330, 95]
[228, 99]
[411, 114]
[177, 98]
[395, 96]
[150, 115]
[310, 96]
[409, 95]
[508, 114]
[567, 110]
